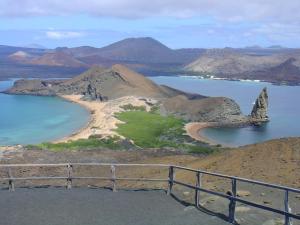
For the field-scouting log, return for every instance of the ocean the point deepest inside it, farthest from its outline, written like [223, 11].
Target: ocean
[35, 119]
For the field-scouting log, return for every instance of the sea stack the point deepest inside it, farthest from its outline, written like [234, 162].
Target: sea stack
[259, 112]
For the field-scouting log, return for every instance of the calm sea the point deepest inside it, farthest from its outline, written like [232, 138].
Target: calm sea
[33, 119]
[284, 109]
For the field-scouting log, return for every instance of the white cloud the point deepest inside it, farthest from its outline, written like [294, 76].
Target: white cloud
[63, 34]
[277, 31]
[230, 10]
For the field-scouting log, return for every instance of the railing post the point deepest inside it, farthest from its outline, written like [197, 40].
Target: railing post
[11, 185]
[197, 192]
[113, 178]
[171, 180]
[287, 219]
[69, 179]
[232, 203]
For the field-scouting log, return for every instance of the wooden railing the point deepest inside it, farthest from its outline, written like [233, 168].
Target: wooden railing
[170, 180]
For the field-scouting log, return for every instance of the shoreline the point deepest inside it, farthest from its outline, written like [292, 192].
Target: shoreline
[212, 77]
[102, 121]
[86, 126]
[193, 130]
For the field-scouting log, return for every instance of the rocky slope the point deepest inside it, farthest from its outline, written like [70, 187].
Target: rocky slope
[230, 62]
[57, 58]
[233, 64]
[217, 109]
[106, 84]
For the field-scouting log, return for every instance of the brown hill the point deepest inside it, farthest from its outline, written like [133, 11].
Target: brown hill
[97, 84]
[105, 84]
[78, 52]
[58, 58]
[288, 72]
[137, 49]
[130, 51]
[229, 62]
[275, 161]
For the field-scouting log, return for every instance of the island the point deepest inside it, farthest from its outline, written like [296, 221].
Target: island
[108, 92]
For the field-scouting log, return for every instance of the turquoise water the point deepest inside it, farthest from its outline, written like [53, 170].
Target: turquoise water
[284, 108]
[33, 119]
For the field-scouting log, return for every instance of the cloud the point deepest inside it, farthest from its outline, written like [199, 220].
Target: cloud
[230, 10]
[63, 34]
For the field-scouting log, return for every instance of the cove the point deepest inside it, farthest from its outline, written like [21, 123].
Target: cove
[36, 119]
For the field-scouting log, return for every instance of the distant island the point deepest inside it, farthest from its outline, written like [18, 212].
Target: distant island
[274, 64]
[282, 67]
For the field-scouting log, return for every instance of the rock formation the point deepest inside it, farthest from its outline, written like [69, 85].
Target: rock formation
[260, 109]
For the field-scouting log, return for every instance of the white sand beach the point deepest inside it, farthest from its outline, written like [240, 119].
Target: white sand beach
[102, 121]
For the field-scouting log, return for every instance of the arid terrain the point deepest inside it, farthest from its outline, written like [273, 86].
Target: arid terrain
[276, 161]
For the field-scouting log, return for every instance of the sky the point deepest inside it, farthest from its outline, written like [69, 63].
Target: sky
[175, 23]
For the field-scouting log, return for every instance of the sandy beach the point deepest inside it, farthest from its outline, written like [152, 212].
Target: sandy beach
[193, 130]
[102, 121]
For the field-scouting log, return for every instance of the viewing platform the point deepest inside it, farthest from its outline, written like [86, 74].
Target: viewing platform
[50, 194]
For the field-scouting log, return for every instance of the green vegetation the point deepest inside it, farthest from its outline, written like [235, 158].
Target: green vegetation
[130, 107]
[146, 129]
[196, 149]
[91, 143]
[155, 109]
[151, 130]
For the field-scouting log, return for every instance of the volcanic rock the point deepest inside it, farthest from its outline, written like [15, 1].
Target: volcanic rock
[260, 109]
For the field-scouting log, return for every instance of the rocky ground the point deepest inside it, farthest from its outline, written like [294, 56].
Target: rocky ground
[276, 161]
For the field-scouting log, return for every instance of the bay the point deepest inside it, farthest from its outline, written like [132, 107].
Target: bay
[35, 119]
[284, 107]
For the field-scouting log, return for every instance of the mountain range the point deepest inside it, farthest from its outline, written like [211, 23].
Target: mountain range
[273, 64]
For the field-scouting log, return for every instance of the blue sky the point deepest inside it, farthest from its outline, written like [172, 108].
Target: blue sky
[178, 24]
